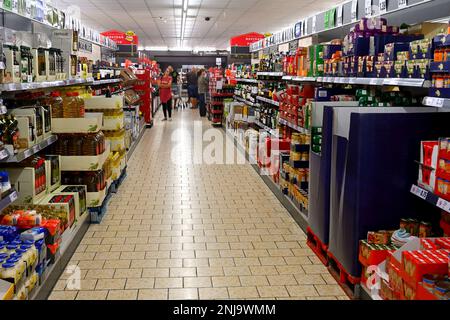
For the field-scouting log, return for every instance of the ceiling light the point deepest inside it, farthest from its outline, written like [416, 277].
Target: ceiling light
[185, 5]
[180, 49]
[198, 49]
[162, 48]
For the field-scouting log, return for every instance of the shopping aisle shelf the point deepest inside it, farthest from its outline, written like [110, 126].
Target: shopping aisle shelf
[436, 102]
[431, 198]
[7, 200]
[293, 126]
[24, 154]
[270, 101]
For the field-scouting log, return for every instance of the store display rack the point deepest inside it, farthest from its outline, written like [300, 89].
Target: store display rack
[69, 243]
[270, 74]
[431, 198]
[24, 154]
[7, 200]
[293, 126]
[136, 142]
[249, 103]
[272, 132]
[406, 82]
[247, 80]
[270, 101]
[299, 79]
[436, 102]
[11, 87]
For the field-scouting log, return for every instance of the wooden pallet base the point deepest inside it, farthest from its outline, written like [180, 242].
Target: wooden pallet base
[347, 282]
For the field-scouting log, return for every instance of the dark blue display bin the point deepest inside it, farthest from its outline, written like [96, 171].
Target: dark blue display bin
[372, 170]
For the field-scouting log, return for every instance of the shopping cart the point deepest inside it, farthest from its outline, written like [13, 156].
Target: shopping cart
[177, 93]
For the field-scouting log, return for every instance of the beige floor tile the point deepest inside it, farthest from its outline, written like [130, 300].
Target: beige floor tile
[183, 272]
[210, 271]
[263, 270]
[291, 269]
[140, 283]
[322, 298]
[213, 293]
[200, 262]
[302, 291]
[315, 269]
[100, 274]
[256, 253]
[63, 295]
[92, 295]
[91, 264]
[153, 294]
[228, 281]
[272, 291]
[329, 290]
[309, 279]
[155, 273]
[243, 292]
[167, 283]
[197, 282]
[282, 280]
[110, 284]
[237, 271]
[122, 295]
[247, 281]
[147, 263]
[128, 273]
[272, 261]
[183, 294]
[221, 262]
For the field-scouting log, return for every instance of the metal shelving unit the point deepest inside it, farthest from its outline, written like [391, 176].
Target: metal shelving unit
[24, 154]
[249, 103]
[436, 102]
[431, 198]
[247, 80]
[11, 87]
[293, 126]
[270, 101]
[6, 201]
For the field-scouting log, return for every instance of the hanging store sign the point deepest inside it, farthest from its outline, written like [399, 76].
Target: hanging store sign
[368, 8]
[122, 38]
[245, 40]
[298, 30]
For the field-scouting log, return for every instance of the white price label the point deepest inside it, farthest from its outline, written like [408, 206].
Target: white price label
[373, 81]
[421, 193]
[402, 3]
[27, 153]
[3, 154]
[354, 11]
[339, 15]
[13, 197]
[443, 204]
[438, 102]
[36, 148]
[382, 6]
[368, 8]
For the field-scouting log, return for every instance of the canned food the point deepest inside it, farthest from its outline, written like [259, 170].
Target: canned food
[404, 224]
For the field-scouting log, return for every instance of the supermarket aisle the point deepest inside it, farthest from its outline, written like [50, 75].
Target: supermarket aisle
[181, 231]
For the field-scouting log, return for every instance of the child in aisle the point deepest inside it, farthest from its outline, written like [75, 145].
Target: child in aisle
[165, 94]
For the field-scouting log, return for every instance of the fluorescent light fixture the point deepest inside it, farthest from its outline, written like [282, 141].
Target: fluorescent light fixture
[198, 49]
[185, 5]
[180, 49]
[162, 48]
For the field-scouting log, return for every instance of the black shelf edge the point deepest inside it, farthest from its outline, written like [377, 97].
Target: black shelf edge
[9, 199]
[431, 198]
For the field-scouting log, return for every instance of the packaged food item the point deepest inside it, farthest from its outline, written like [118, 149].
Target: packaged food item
[441, 289]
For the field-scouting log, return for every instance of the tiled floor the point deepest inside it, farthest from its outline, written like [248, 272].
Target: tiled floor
[182, 231]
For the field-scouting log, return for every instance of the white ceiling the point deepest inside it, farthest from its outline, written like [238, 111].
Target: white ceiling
[158, 22]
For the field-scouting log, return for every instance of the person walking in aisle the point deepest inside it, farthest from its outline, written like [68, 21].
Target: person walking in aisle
[192, 80]
[203, 88]
[165, 94]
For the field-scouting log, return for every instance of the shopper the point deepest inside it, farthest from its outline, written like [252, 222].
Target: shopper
[192, 80]
[165, 94]
[203, 88]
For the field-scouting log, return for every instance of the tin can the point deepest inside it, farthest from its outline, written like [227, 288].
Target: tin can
[414, 227]
[404, 224]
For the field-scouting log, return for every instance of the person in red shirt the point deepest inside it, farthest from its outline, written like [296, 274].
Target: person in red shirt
[165, 94]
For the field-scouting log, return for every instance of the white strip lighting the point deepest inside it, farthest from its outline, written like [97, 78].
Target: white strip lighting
[156, 48]
[180, 49]
[184, 18]
[204, 49]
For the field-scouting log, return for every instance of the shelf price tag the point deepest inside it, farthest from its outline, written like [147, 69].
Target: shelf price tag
[36, 148]
[354, 11]
[339, 15]
[382, 6]
[13, 197]
[402, 4]
[443, 204]
[3, 154]
[421, 193]
[368, 8]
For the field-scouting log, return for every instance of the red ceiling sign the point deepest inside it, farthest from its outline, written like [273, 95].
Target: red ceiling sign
[246, 40]
[122, 38]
